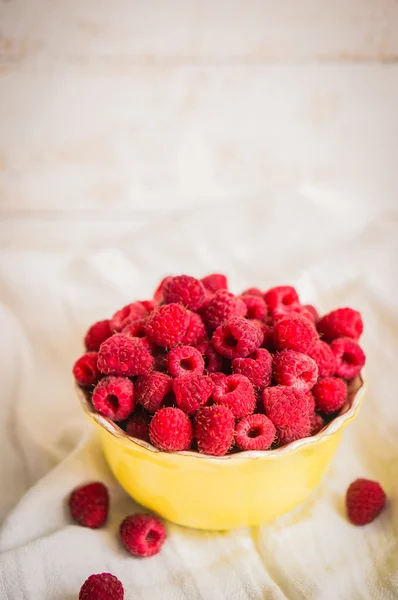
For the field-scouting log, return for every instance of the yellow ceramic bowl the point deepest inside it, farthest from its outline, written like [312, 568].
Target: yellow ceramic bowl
[247, 488]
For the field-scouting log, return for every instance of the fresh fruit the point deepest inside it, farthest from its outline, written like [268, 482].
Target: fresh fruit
[198, 365]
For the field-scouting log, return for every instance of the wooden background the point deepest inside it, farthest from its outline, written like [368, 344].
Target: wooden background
[110, 106]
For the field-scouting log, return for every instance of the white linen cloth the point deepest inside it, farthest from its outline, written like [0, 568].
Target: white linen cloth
[60, 274]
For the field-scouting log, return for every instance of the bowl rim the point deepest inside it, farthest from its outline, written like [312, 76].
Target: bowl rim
[347, 414]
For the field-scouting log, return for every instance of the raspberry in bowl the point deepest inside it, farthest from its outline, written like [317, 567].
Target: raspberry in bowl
[218, 411]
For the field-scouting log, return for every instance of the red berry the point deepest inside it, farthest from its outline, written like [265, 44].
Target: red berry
[256, 307]
[158, 295]
[85, 369]
[127, 315]
[89, 505]
[214, 429]
[220, 307]
[268, 334]
[185, 290]
[167, 325]
[124, 355]
[311, 309]
[253, 292]
[343, 322]
[136, 328]
[257, 368]
[171, 430]
[288, 409]
[293, 309]
[138, 425]
[282, 296]
[237, 338]
[237, 393]
[350, 358]
[287, 435]
[183, 360]
[214, 282]
[151, 390]
[322, 354]
[330, 394]
[295, 369]
[192, 392]
[255, 432]
[317, 423]
[217, 376]
[364, 500]
[142, 534]
[213, 361]
[103, 586]
[196, 332]
[98, 333]
[295, 332]
[311, 401]
[113, 397]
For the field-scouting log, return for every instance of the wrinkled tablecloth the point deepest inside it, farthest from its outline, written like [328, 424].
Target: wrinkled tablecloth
[59, 273]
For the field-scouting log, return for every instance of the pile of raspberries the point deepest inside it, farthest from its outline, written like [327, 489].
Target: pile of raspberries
[200, 368]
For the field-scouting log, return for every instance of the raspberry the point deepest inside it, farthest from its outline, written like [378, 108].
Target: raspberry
[185, 290]
[217, 376]
[142, 534]
[288, 409]
[237, 393]
[330, 394]
[295, 369]
[196, 332]
[221, 307]
[103, 586]
[293, 309]
[124, 355]
[283, 296]
[183, 360]
[151, 390]
[214, 429]
[192, 392]
[364, 500]
[343, 322]
[171, 430]
[313, 311]
[167, 325]
[311, 402]
[214, 282]
[268, 334]
[253, 292]
[237, 338]
[287, 435]
[255, 432]
[89, 505]
[148, 304]
[136, 328]
[322, 354]
[127, 314]
[317, 423]
[256, 307]
[294, 332]
[350, 357]
[257, 368]
[113, 397]
[85, 369]
[138, 425]
[213, 361]
[158, 295]
[98, 333]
